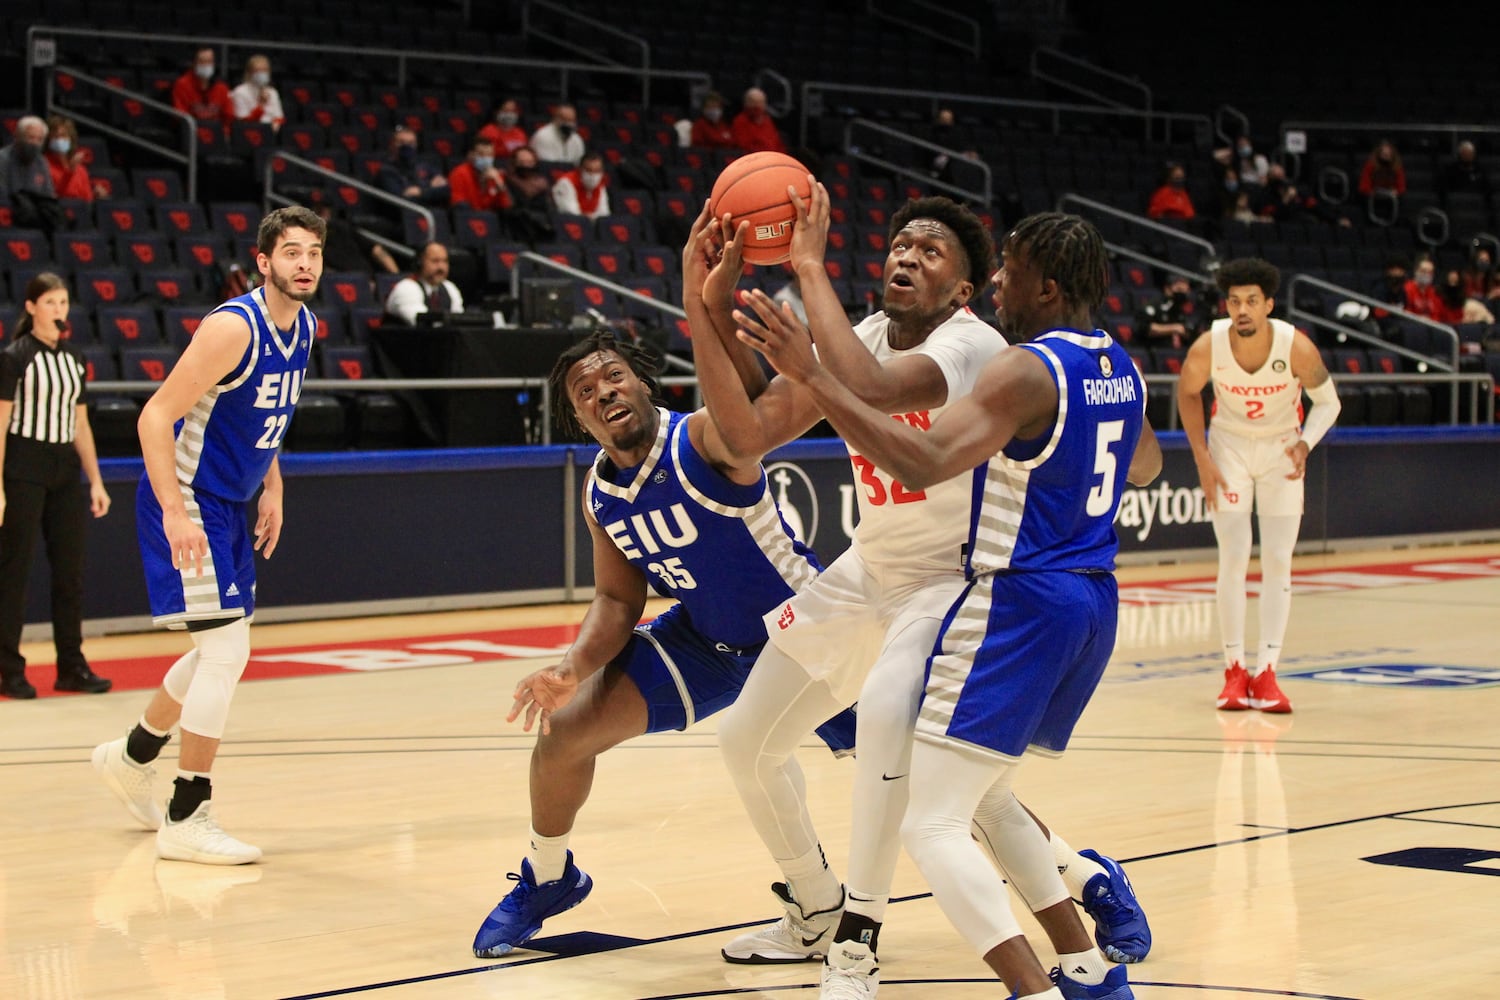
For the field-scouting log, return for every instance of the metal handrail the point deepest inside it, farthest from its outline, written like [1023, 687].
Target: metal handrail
[529, 30]
[268, 195]
[813, 92]
[1210, 252]
[922, 24]
[1455, 130]
[1129, 82]
[532, 257]
[1484, 388]
[401, 57]
[190, 126]
[985, 195]
[1297, 280]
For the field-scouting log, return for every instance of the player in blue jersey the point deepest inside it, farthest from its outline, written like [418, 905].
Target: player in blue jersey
[668, 508]
[1055, 429]
[209, 437]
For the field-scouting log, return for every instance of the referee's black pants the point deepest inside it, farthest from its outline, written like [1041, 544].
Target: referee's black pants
[44, 492]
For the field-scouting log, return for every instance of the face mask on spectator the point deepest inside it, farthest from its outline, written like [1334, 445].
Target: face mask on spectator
[60, 145]
[1245, 151]
[27, 151]
[525, 170]
[483, 163]
[204, 70]
[260, 79]
[1231, 185]
[506, 118]
[713, 114]
[591, 178]
[1423, 280]
[406, 154]
[566, 129]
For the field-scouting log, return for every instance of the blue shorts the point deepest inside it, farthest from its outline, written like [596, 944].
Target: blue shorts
[684, 676]
[227, 587]
[1018, 659]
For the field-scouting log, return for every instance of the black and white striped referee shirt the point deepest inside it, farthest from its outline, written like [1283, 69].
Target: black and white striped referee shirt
[46, 384]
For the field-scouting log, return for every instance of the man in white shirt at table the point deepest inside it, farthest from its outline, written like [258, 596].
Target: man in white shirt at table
[426, 290]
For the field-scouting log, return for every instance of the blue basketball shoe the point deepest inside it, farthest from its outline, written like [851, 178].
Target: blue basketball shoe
[1114, 987]
[517, 917]
[1120, 927]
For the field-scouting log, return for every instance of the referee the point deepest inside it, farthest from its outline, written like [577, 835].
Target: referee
[49, 442]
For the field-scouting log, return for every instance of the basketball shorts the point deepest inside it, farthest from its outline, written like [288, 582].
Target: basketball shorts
[1256, 469]
[1017, 661]
[838, 625]
[684, 676]
[227, 587]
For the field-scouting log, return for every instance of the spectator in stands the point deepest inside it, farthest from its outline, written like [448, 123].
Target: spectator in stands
[1171, 200]
[504, 129]
[198, 93]
[427, 290]
[345, 248]
[1421, 291]
[66, 161]
[1280, 200]
[711, 130]
[409, 175]
[1479, 272]
[1248, 165]
[26, 181]
[584, 191]
[1175, 319]
[558, 141]
[1383, 172]
[1457, 305]
[477, 182]
[1464, 173]
[754, 129]
[947, 132]
[530, 216]
[255, 99]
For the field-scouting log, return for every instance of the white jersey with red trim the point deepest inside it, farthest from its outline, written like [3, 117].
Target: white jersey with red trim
[1259, 404]
[921, 532]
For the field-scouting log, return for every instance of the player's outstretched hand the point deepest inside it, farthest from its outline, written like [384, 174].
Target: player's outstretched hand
[540, 694]
[778, 335]
[810, 232]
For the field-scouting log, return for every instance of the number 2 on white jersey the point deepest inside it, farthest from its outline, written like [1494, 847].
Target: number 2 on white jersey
[1102, 496]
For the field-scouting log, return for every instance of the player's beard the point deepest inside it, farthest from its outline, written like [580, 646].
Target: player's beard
[291, 291]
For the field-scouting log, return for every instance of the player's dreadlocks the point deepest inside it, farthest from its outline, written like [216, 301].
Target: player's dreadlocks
[642, 362]
[1067, 249]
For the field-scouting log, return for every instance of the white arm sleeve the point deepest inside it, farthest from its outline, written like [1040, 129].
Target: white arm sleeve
[1325, 411]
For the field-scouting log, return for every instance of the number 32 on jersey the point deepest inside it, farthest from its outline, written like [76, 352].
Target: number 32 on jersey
[881, 489]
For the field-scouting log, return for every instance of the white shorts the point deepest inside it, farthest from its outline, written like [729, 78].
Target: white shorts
[1255, 471]
[836, 626]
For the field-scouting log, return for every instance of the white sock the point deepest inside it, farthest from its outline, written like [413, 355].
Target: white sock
[812, 882]
[190, 775]
[549, 857]
[1234, 655]
[1086, 967]
[1053, 994]
[148, 727]
[1075, 869]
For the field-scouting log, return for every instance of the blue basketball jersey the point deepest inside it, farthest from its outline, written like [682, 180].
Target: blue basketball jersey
[1031, 511]
[226, 442]
[720, 548]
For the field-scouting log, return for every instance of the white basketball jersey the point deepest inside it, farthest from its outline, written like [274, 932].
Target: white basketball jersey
[921, 531]
[1264, 403]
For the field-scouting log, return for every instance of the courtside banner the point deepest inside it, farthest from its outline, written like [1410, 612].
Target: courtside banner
[442, 525]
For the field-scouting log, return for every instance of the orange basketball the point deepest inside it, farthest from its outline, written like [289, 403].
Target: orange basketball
[753, 189]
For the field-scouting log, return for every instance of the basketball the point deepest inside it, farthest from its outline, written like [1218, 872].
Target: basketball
[753, 189]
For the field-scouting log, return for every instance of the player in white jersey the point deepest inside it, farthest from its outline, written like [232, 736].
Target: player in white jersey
[1254, 456]
[865, 627]
[1055, 427]
[210, 436]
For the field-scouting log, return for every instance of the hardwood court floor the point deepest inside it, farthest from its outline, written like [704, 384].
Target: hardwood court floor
[1341, 852]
